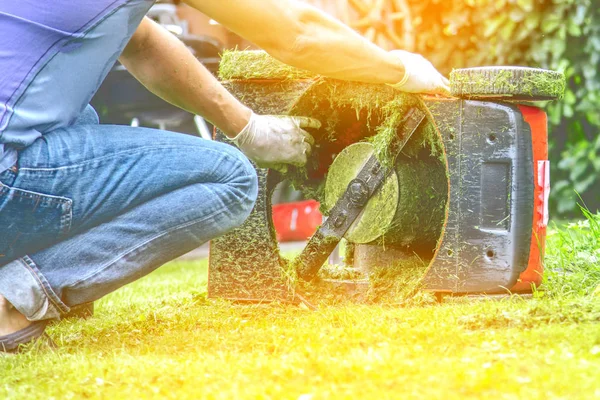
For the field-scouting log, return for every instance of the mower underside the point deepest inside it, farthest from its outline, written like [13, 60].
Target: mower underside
[466, 198]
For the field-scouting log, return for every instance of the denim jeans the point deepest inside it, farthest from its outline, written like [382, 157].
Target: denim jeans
[90, 208]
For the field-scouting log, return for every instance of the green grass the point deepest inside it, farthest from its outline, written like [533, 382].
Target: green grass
[161, 338]
[573, 257]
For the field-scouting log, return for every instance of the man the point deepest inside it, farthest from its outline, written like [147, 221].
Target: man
[87, 208]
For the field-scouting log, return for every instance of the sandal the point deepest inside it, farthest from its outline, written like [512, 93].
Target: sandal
[10, 343]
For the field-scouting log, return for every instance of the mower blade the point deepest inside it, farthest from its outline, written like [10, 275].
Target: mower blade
[352, 202]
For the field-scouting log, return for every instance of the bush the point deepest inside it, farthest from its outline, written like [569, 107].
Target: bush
[562, 35]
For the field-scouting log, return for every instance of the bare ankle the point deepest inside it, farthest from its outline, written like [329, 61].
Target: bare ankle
[5, 304]
[11, 320]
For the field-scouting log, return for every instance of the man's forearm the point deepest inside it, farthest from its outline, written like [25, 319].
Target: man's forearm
[305, 37]
[168, 69]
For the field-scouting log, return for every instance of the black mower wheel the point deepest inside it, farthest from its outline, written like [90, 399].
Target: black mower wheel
[507, 83]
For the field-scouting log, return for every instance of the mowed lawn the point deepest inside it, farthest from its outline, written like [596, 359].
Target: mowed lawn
[161, 338]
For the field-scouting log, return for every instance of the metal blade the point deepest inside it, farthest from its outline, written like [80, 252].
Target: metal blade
[353, 201]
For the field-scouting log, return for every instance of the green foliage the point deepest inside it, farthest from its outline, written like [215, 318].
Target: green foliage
[562, 35]
[579, 169]
[573, 258]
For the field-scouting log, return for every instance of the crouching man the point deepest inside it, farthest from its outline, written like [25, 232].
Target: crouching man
[86, 208]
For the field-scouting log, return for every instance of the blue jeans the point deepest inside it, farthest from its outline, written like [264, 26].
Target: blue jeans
[90, 208]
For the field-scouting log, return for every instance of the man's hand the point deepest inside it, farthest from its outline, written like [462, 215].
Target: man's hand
[273, 140]
[420, 75]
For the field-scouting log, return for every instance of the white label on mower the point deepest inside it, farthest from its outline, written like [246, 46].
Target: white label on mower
[543, 175]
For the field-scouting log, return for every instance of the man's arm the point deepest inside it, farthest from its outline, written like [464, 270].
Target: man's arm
[163, 64]
[168, 69]
[305, 37]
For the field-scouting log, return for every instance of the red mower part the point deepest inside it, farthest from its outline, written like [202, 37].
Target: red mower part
[532, 276]
[296, 221]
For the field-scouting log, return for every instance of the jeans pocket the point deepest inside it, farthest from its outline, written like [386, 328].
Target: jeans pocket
[30, 221]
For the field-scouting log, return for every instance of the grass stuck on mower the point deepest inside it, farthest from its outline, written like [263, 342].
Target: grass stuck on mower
[443, 194]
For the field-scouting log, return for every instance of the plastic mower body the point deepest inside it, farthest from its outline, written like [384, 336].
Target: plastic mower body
[475, 213]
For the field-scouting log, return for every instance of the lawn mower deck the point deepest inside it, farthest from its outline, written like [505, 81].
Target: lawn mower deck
[488, 237]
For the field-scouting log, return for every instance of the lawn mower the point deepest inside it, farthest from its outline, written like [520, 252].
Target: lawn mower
[441, 194]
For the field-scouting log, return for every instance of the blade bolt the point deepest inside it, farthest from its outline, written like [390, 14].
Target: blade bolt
[359, 192]
[375, 169]
[340, 219]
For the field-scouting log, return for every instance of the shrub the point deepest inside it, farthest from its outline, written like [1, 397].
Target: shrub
[562, 35]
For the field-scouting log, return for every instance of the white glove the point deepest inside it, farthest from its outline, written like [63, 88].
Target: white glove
[273, 140]
[421, 76]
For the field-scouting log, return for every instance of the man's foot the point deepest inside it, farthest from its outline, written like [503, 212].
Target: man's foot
[11, 320]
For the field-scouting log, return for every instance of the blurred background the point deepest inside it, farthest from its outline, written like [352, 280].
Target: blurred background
[555, 34]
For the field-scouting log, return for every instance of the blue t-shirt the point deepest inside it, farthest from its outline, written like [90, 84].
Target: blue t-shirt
[54, 54]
